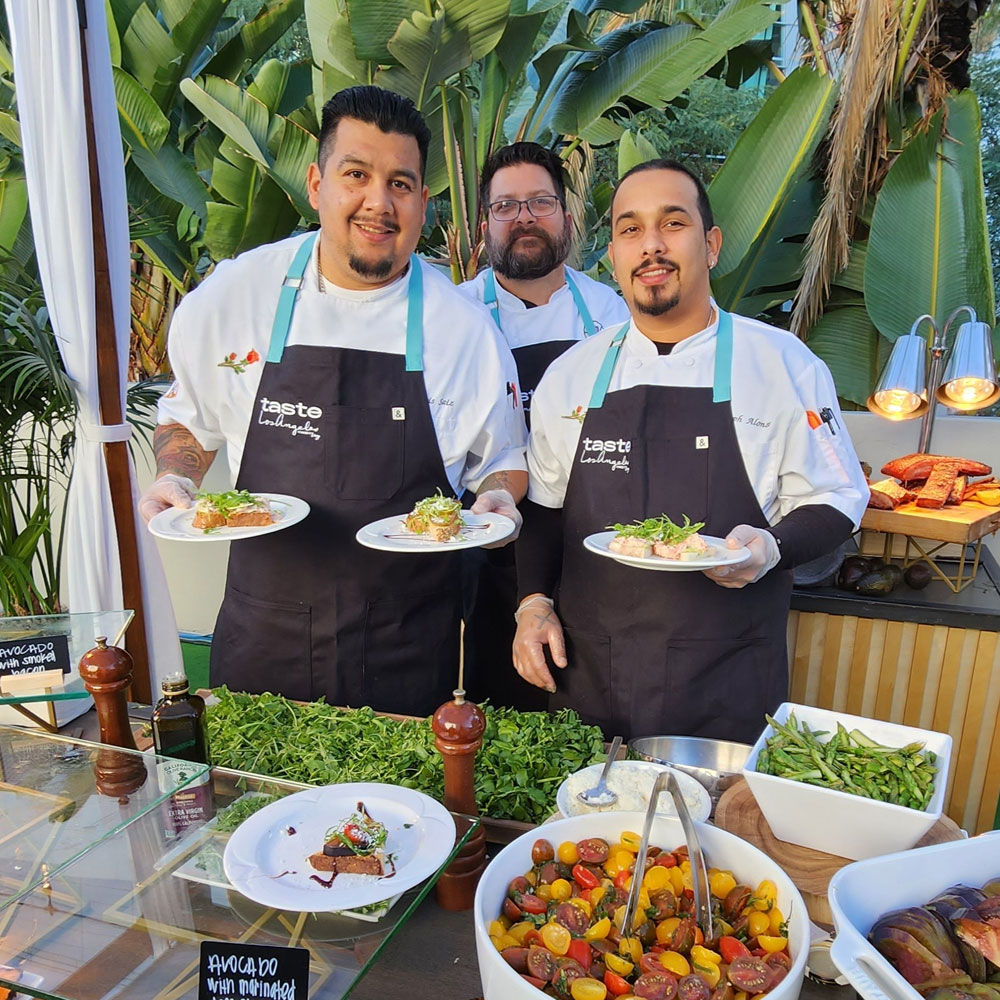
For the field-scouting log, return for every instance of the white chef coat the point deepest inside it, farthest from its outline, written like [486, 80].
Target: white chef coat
[557, 319]
[776, 382]
[469, 373]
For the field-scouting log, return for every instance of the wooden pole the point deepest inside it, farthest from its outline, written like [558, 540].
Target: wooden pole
[109, 395]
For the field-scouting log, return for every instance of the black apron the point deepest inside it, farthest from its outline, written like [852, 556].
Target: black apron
[309, 612]
[490, 575]
[666, 653]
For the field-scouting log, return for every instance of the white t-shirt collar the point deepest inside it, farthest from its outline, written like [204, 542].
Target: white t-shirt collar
[385, 292]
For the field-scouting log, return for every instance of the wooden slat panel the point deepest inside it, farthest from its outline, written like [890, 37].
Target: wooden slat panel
[887, 669]
[960, 699]
[935, 667]
[859, 665]
[949, 680]
[827, 679]
[904, 666]
[873, 668]
[986, 772]
[918, 675]
[848, 642]
[799, 662]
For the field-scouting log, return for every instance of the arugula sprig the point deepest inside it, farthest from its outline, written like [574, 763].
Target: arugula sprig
[659, 529]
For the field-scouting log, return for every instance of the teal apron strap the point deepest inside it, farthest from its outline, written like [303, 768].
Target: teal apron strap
[286, 299]
[490, 296]
[415, 318]
[603, 379]
[581, 307]
[721, 388]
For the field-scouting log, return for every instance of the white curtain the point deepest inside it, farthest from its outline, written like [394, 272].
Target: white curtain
[45, 38]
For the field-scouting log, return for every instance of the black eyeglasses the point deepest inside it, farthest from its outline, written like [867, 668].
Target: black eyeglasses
[510, 208]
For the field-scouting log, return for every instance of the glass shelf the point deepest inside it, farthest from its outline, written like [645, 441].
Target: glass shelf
[126, 917]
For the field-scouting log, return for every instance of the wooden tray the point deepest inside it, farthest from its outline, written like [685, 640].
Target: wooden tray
[810, 870]
[966, 522]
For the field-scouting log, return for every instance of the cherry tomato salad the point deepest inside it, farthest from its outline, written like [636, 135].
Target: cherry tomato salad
[560, 927]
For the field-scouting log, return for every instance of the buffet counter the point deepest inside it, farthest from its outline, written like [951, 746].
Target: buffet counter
[927, 658]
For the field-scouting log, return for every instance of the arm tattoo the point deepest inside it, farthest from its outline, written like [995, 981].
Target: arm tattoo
[513, 481]
[177, 450]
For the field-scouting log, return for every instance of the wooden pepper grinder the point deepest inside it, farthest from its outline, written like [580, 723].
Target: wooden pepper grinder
[458, 733]
[107, 674]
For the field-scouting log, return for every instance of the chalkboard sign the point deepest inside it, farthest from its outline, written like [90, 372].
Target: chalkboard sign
[32, 656]
[232, 971]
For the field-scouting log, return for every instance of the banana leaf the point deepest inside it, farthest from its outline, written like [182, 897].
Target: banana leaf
[846, 339]
[769, 159]
[634, 148]
[13, 208]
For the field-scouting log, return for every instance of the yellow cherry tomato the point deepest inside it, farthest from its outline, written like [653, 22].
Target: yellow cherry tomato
[757, 923]
[677, 880]
[772, 943]
[777, 919]
[644, 902]
[567, 853]
[561, 889]
[619, 965]
[586, 988]
[544, 891]
[721, 884]
[656, 878]
[625, 859]
[740, 995]
[495, 938]
[598, 931]
[708, 971]
[701, 955]
[506, 941]
[597, 894]
[666, 928]
[580, 903]
[675, 962]
[531, 877]
[631, 948]
[519, 931]
[498, 927]
[766, 895]
[618, 916]
[556, 938]
[631, 841]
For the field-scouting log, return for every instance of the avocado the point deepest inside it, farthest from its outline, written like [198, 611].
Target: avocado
[851, 570]
[918, 575]
[879, 582]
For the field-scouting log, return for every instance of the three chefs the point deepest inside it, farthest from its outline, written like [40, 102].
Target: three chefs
[338, 368]
[542, 306]
[684, 410]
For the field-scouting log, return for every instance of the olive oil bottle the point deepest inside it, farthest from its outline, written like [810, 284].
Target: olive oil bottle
[180, 737]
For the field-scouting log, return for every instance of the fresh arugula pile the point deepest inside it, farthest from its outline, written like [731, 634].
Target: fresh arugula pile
[524, 758]
[659, 529]
[246, 805]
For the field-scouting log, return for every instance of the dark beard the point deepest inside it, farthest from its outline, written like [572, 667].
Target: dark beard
[527, 266]
[658, 307]
[377, 269]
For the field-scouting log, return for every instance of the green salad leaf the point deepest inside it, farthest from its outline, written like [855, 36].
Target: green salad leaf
[659, 529]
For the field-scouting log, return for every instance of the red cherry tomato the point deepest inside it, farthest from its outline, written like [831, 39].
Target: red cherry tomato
[622, 878]
[530, 903]
[539, 984]
[730, 948]
[579, 951]
[665, 860]
[617, 986]
[585, 878]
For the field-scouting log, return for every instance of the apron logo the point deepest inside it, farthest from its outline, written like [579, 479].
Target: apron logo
[238, 364]
[513, 393]
[296, 418]
[701, 442]
[611, 453]
[579, 414]
[399, 413]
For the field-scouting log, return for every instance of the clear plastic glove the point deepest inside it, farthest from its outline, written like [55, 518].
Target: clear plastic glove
[764, 556]
[499, 502]
[167, 491]
[538, 626]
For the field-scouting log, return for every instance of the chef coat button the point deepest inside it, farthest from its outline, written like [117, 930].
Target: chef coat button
[635, 363]
[689, 362]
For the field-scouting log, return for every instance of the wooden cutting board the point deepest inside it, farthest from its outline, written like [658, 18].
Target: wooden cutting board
[810, 870]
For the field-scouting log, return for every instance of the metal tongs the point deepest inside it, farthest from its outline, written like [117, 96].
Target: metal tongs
[667, 781]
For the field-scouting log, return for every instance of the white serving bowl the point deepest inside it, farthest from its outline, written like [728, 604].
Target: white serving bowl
[722, 850]
[695, 795]
[861, 893]
[850, 826]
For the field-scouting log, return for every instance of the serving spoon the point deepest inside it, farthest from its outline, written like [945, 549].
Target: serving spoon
[600, 794]
[667, 781]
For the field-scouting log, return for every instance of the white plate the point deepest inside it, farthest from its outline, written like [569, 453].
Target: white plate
[374, 535]
[421, 835]
[599, 542]
[175, 523]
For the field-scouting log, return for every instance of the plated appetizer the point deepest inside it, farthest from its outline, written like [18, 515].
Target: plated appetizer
[660, 537]
[353, 847]
[231, 509]
[438, 518]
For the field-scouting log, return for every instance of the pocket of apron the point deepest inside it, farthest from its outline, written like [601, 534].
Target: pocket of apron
[687, 471]
[263, 646]
[411, 652]
[364, 453]
[721, 688]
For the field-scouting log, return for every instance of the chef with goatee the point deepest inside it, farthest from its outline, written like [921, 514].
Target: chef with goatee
[322, 365]
[685, 410]
[542, 307]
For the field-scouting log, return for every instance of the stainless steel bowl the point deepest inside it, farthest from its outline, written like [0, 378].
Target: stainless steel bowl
[715, 763]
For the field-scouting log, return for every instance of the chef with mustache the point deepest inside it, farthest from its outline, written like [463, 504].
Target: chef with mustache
[685, 410]
[542, 307]
[323, 365]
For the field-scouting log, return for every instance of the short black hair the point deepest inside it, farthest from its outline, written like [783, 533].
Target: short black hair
[704, 205]
[389, 111]
[523, 152]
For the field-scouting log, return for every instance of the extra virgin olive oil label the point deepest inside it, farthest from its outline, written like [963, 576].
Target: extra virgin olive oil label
[190, 795]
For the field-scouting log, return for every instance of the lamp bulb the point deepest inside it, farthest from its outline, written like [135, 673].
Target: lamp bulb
[897, 402]
[969, 390]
